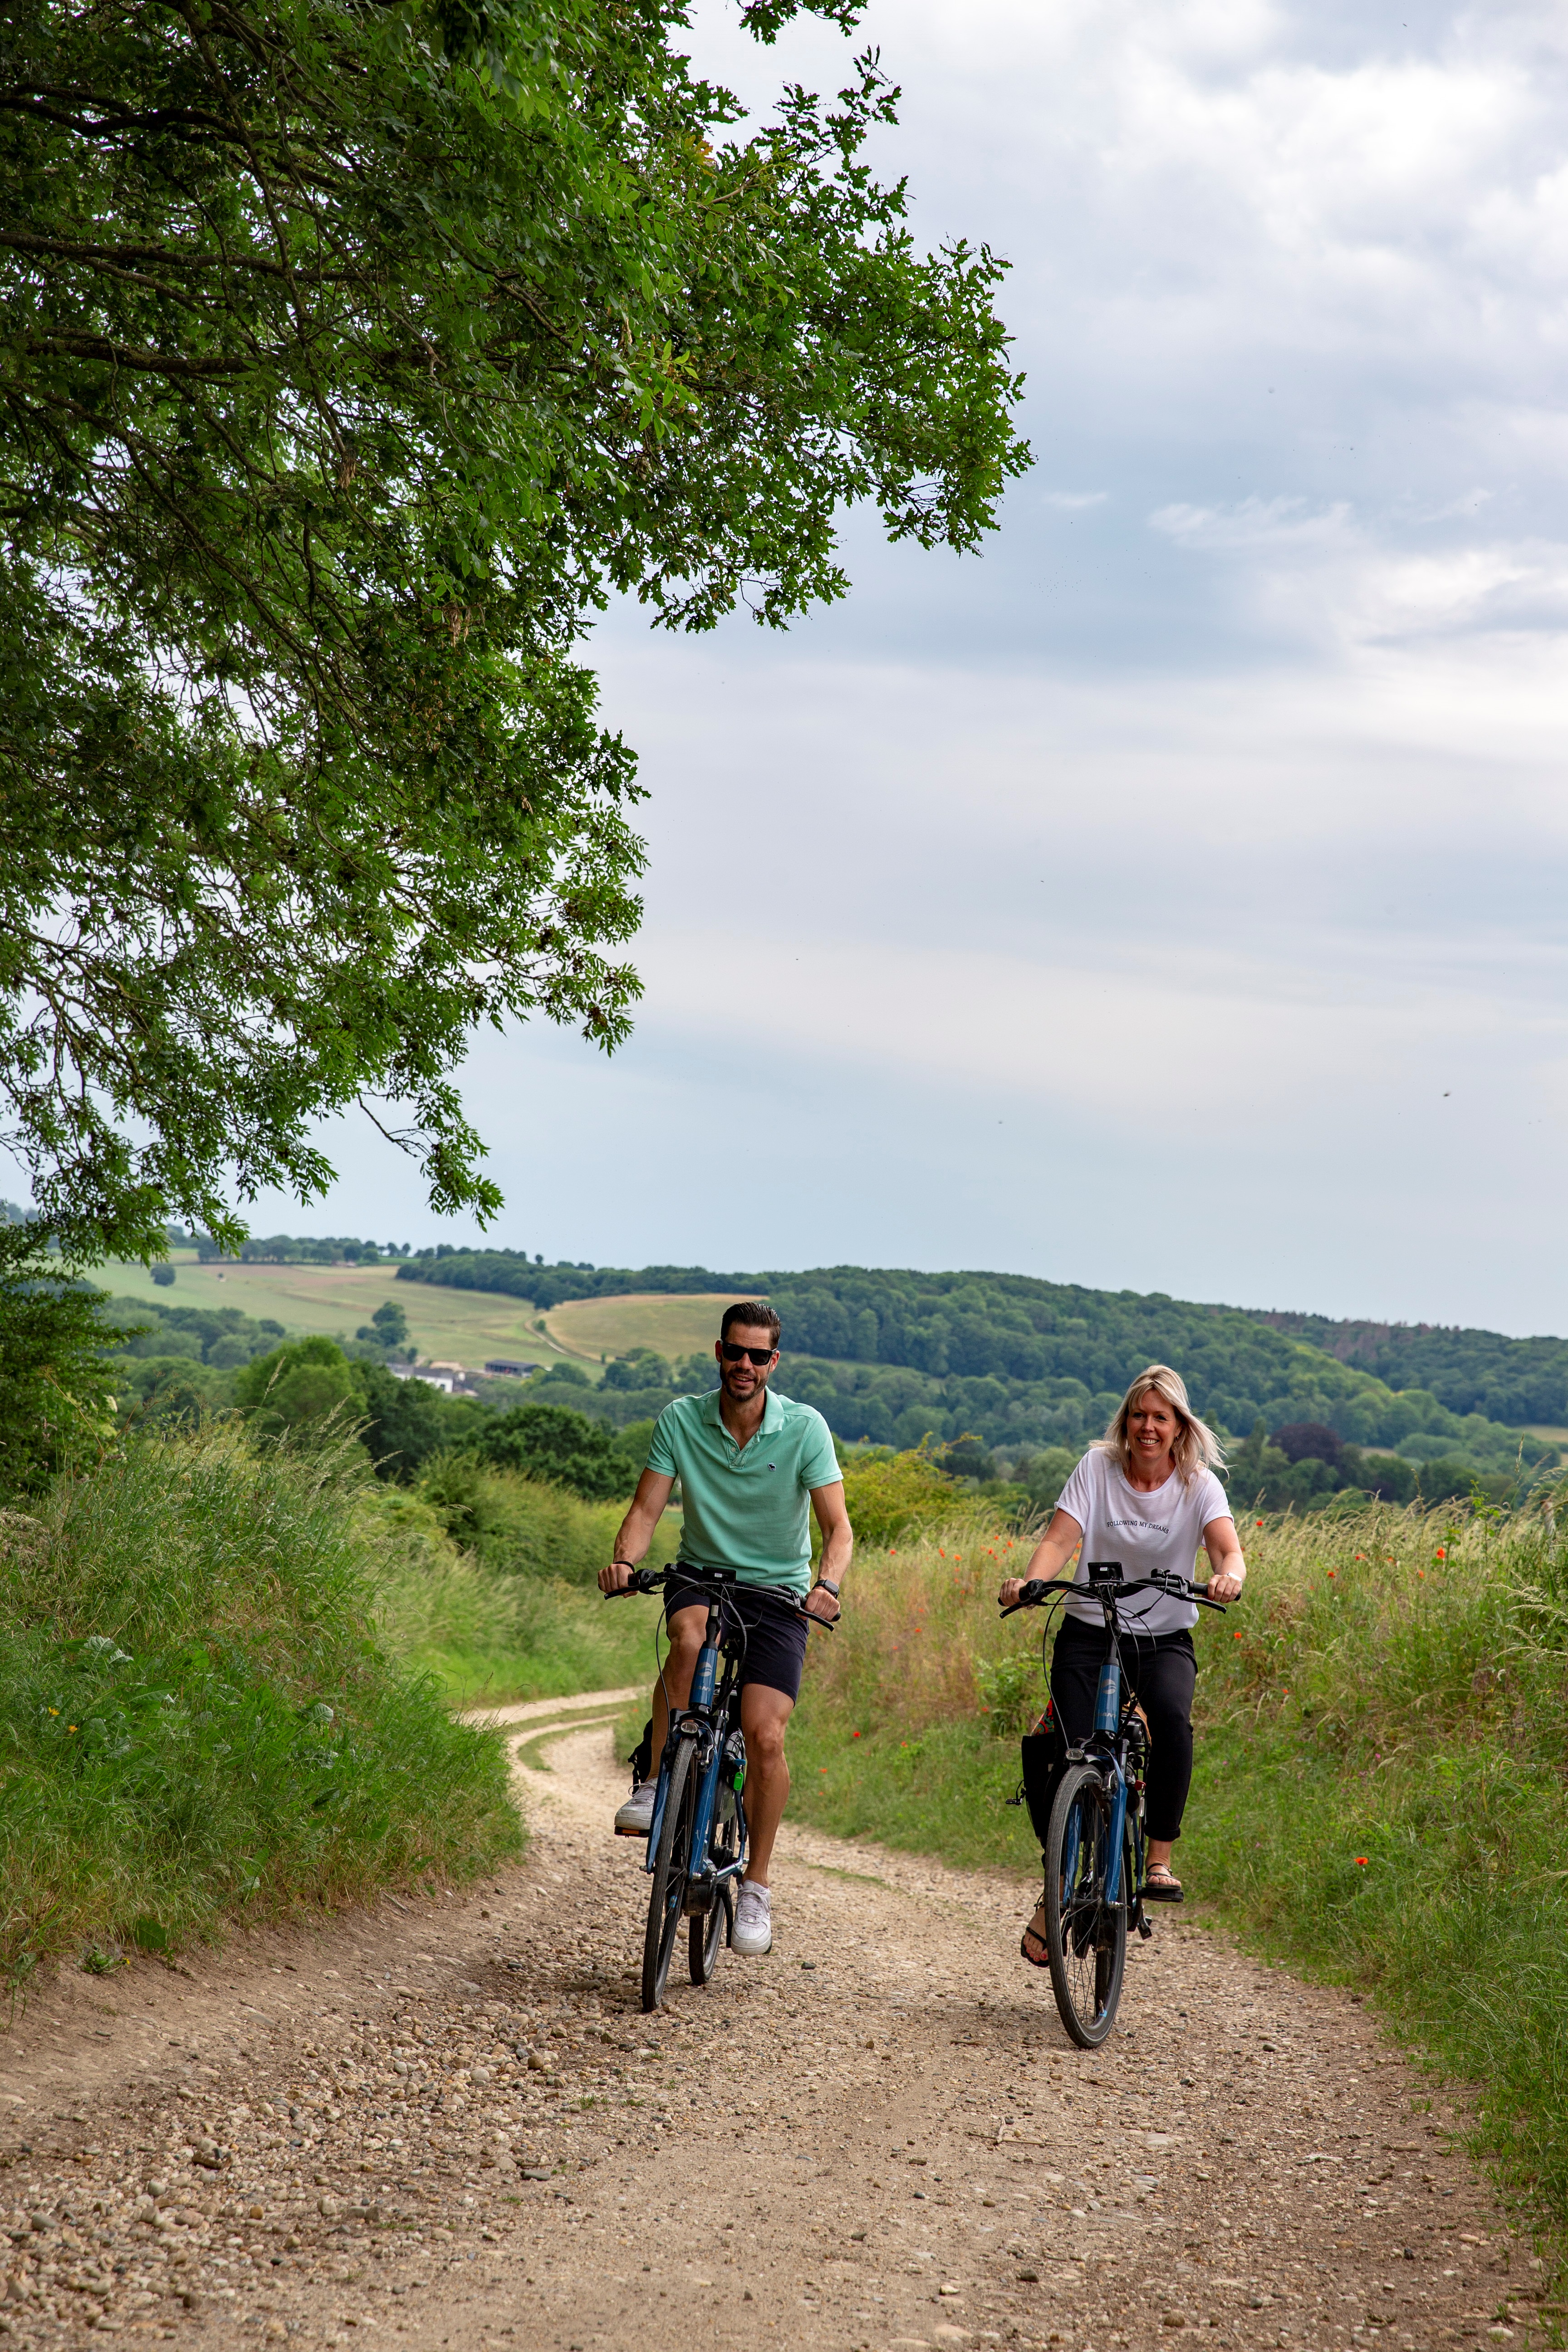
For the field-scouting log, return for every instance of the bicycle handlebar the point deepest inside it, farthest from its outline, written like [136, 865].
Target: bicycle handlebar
[719, 1582]
[1167, 1580]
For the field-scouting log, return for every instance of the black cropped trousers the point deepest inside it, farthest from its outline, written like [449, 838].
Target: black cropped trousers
[1162, 1670]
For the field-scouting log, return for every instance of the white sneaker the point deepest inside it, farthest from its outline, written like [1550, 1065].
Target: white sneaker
[635, 1816]
[754, 1921]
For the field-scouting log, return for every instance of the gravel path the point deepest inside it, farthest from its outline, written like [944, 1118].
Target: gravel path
[448, 2122]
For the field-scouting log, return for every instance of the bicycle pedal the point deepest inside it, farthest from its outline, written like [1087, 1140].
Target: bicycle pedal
[1144, 1930]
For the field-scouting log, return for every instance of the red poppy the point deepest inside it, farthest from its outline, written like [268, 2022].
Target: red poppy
[1360, 1861]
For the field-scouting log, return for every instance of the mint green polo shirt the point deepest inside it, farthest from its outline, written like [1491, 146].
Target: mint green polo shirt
[746, 1508]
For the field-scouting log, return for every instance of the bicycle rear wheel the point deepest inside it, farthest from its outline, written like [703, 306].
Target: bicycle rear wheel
[671, 1862]
[1086, 1934]
[710, 1932]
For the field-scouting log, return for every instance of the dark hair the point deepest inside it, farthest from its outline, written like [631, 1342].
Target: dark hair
[754, 1312]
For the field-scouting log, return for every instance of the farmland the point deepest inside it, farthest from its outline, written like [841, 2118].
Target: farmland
[672, 1327]
[449, 1326]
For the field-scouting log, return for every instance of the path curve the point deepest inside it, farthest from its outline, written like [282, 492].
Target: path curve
[448, 2122]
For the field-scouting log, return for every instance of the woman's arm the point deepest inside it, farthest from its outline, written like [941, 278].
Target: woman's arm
[1228, 1569]
[1053, 1551]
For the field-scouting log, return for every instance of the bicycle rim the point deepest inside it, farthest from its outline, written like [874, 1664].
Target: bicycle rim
[1086, 1936]
[671, 1865]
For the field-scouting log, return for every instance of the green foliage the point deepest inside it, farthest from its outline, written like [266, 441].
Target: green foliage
[333, 406]
[304, 1380]
[517, 1526]
[388, 1327]
[515, 1613]
[562, 1448]
[1470, 1371]
[893, 1496]
[223, 1336]
[1027, 1367]
[198, 1716]
[57, 1390]
[164, 1276]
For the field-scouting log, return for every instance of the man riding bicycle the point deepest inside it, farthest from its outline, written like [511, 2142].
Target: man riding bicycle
[747, 1460]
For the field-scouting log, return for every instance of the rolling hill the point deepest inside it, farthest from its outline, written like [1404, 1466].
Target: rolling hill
[893, 1356]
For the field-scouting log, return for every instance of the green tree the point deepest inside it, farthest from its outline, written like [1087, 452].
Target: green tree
[302, 1382]
[56, 1387]
[352, 357]
[562, 1448]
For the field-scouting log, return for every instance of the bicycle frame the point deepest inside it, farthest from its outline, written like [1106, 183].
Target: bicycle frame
[706, 1717]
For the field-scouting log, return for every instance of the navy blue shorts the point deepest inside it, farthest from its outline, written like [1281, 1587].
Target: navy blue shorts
[775, 1640]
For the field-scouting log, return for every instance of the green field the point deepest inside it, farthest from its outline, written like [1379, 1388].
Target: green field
[592, 1327]
[460, 1326]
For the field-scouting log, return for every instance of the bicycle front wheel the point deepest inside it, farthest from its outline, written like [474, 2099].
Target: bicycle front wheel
[1086, 1934]
[710, 1932]
[671, 1864]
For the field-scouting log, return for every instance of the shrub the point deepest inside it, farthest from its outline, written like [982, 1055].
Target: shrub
[552, 1444]
[892, 1495]
[199, 1714]
[527, 1526]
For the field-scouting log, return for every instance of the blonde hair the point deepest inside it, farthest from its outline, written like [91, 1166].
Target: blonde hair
[1195, 1447]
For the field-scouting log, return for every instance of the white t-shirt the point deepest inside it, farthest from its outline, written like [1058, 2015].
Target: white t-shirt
[1161, 1530]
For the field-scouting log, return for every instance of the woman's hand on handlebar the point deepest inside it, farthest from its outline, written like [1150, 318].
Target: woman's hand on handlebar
[1225, 1584]
[1012, 1586]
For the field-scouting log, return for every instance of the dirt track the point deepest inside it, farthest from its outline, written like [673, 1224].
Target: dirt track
[450, 2123]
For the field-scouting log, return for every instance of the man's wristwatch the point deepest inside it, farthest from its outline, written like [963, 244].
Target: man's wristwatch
[823, 1584]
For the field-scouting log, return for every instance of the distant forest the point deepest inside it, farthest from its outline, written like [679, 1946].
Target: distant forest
[1470, 1371]
[892, 1357]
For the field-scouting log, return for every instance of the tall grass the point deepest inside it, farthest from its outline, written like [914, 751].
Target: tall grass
[197, 1714]
[1382, 1744]
[515, 1613]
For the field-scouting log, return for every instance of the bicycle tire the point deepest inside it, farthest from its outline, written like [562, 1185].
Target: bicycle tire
[671, 1864]
[1086, 1937]
[713, 1931]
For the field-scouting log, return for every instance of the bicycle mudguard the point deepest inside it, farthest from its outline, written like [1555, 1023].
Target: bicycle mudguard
[1044, 1761]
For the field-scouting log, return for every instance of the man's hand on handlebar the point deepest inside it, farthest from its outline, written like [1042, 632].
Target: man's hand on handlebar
[616, 1576]
[1012, 1586]
[820, 1603]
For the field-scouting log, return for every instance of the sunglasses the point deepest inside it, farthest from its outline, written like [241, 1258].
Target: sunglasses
[732, 1354]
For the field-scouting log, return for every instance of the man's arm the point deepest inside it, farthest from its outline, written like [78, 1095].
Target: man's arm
[637, 1530]
[837, 1545]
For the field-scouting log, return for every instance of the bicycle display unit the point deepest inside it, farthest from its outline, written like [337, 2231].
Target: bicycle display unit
[697, 1839]
[1094, 1843]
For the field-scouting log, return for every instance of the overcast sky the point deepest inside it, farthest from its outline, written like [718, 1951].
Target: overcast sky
[1174, 896]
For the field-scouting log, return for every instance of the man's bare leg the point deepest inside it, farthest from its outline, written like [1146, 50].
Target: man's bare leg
[673, 1689]
[764, 1715]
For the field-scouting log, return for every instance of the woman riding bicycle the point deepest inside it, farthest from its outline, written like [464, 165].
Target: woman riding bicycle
[1144, 1494]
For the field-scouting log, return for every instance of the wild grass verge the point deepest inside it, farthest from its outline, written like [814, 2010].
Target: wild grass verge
[1382, 1741]
[515, 1614]
[199, 1716]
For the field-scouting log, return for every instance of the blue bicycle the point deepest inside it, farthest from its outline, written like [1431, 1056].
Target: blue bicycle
[1093, 1852]
[697, 1838]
